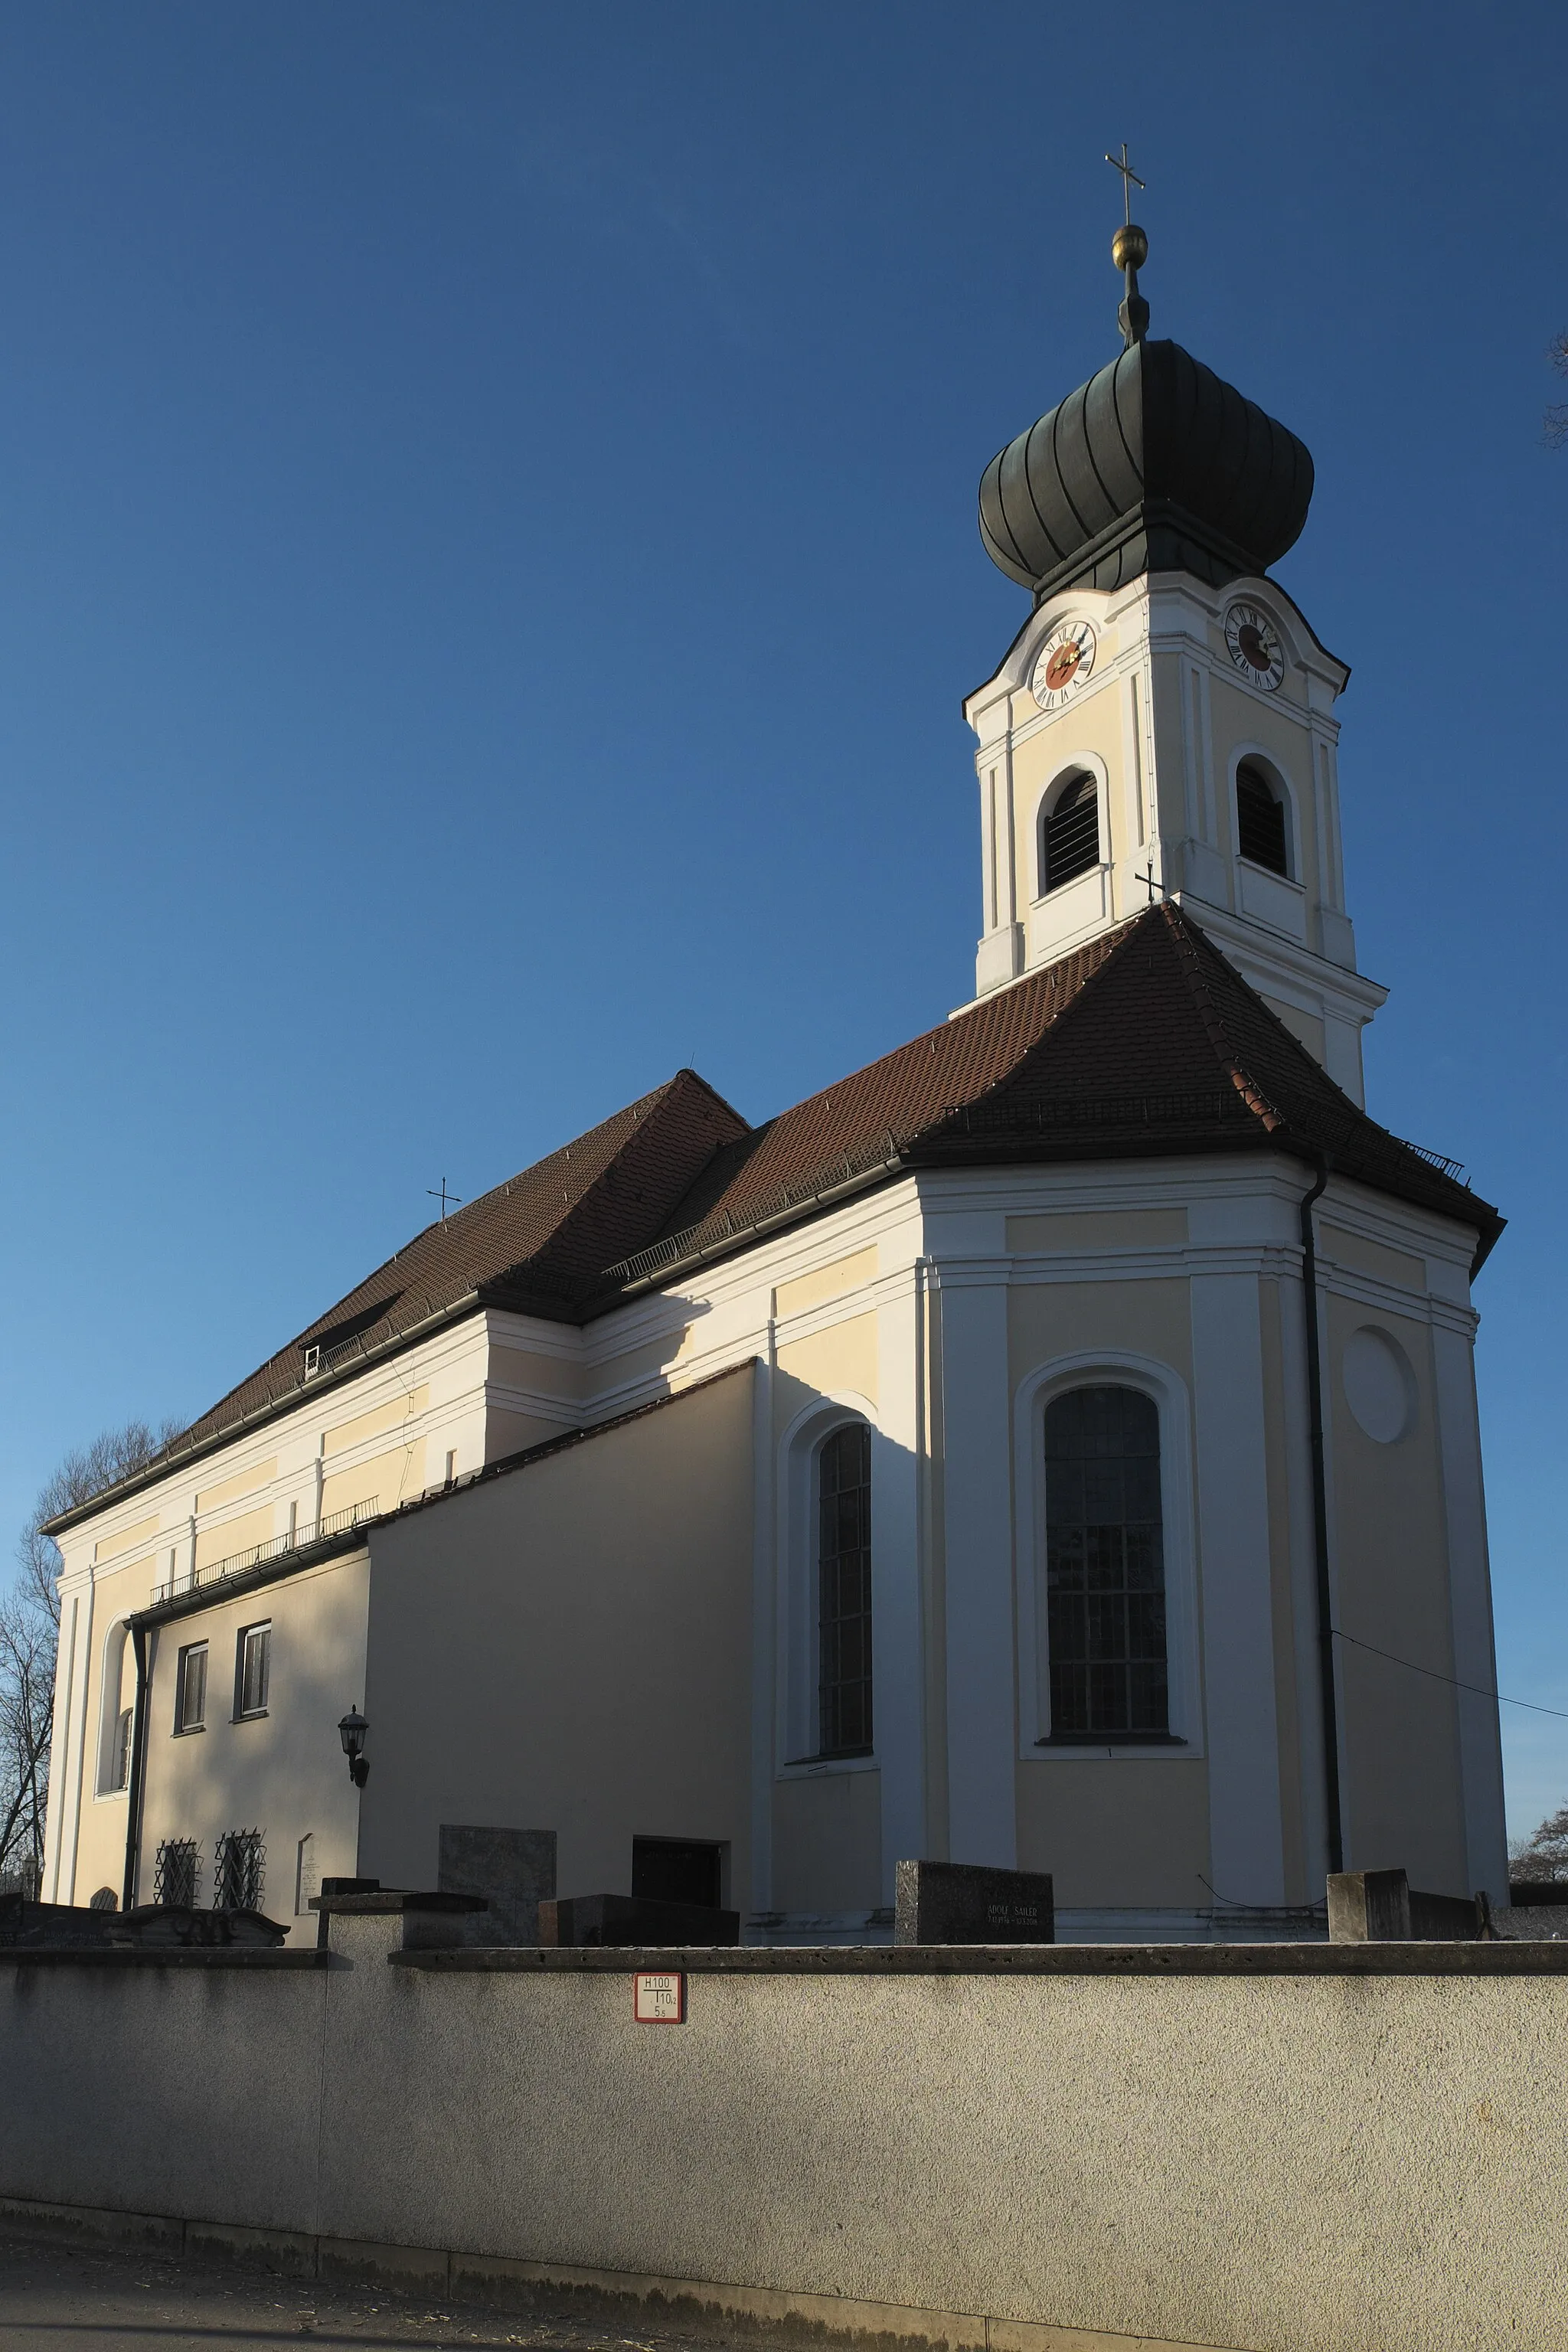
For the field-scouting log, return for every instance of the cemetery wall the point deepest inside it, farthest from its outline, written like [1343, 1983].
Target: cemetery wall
[1310, 2149]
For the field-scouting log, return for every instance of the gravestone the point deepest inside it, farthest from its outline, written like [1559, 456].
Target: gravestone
[966, 1903]
[635, 1919]
[513, 1870]
[1381, 1906]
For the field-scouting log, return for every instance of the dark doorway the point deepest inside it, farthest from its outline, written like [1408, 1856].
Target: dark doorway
[678, 1870]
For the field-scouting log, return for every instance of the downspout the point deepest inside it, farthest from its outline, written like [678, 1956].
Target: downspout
[138, 1767]
[1330, 1719]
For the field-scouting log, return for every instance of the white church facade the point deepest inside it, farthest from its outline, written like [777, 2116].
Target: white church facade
[1054, 1445]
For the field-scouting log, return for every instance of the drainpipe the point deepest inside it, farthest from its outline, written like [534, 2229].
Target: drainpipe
[138, 1767]
[1321, 1525]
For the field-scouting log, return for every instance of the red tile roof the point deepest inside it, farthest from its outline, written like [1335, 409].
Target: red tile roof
[538, 1237]
[1143, 1044]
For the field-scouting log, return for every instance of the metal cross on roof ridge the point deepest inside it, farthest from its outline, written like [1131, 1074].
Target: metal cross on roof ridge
[1129, 180]
[444, 1196]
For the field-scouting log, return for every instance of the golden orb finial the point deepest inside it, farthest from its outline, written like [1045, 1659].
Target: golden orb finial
[1129, 248]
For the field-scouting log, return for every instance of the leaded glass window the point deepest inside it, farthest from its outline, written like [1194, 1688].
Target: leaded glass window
[1105, 1566]
[844, 1591]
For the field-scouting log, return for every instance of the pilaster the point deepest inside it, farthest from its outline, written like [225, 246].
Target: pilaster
[1246, 1842]
[977, 1515]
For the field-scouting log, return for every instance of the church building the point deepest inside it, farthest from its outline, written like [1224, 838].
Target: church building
[1053, 1446]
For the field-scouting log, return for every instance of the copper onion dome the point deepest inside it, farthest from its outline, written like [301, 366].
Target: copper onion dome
[1155, 465]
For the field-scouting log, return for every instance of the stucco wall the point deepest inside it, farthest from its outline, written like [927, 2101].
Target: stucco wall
[1391, 1558]
[282, 1773]
[568, 1648]
[1259, 2155]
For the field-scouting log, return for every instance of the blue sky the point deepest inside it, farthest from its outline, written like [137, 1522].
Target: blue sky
[488, 573]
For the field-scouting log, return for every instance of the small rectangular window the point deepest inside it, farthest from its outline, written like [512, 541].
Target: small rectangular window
[253, 1666]
[119, 1770]
[191, 1694]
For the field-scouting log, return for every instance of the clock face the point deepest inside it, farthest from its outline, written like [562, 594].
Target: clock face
[1255, 645]
[1062, 665]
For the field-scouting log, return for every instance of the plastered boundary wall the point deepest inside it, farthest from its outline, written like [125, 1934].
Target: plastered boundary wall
[1317, 2148]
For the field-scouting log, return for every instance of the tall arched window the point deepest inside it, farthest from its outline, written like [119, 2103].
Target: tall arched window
[1105, 1575]
[1070, 839]
[843, 1592]
[114, 1732]
[1259, 819]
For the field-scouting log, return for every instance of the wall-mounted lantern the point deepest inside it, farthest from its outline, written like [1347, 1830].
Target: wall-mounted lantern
[351, 1731]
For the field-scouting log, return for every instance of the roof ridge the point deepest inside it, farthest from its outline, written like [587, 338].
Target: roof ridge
[1183, 934]
[581, 1211]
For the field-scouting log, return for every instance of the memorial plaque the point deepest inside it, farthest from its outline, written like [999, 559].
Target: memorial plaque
[966, 1903]
[659, 1997]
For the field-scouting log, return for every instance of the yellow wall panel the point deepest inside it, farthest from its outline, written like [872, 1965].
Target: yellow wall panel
[387, 1480]
[108, 1546]
[234, 1536]
[844, 1357]
[370, 1424]
[1392, 1266]
[828, 1282]
[246, 1482]
[1088, 1229]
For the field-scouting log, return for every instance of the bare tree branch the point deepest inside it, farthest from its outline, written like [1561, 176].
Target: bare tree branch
[29, 1634]
[1557, 414]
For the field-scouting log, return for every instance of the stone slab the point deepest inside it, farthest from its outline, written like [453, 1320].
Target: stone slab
[512, 1870]
[966, 1903]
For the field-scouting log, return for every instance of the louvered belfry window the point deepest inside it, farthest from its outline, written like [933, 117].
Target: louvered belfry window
[1105, 1575]
[844, 1591]
[1259, 820]
[1072, 833]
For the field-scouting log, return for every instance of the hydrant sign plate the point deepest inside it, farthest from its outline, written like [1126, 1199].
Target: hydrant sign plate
[659, 1997]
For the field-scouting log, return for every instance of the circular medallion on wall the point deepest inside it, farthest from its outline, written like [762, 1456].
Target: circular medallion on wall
[1255, 645]
[1063, 664]
[1380, 1386]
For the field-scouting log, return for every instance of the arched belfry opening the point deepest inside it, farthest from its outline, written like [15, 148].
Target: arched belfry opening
[1262, 823]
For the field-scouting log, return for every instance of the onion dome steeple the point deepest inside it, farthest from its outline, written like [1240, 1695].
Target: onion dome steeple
[1155, 465]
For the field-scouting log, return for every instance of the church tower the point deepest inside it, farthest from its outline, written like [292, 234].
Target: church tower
[1163, 723]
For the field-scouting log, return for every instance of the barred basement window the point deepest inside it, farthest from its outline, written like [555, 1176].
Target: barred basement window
[1105, 1579]
[1259, 819]
[843, 1592]
[239, 1871]
[175, 1871]
[1070, 843]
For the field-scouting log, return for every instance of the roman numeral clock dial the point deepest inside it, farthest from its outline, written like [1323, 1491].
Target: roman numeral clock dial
[1255, 647]
[1063, 664]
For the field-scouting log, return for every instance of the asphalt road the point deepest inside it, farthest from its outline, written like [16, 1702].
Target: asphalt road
[57, 2297]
